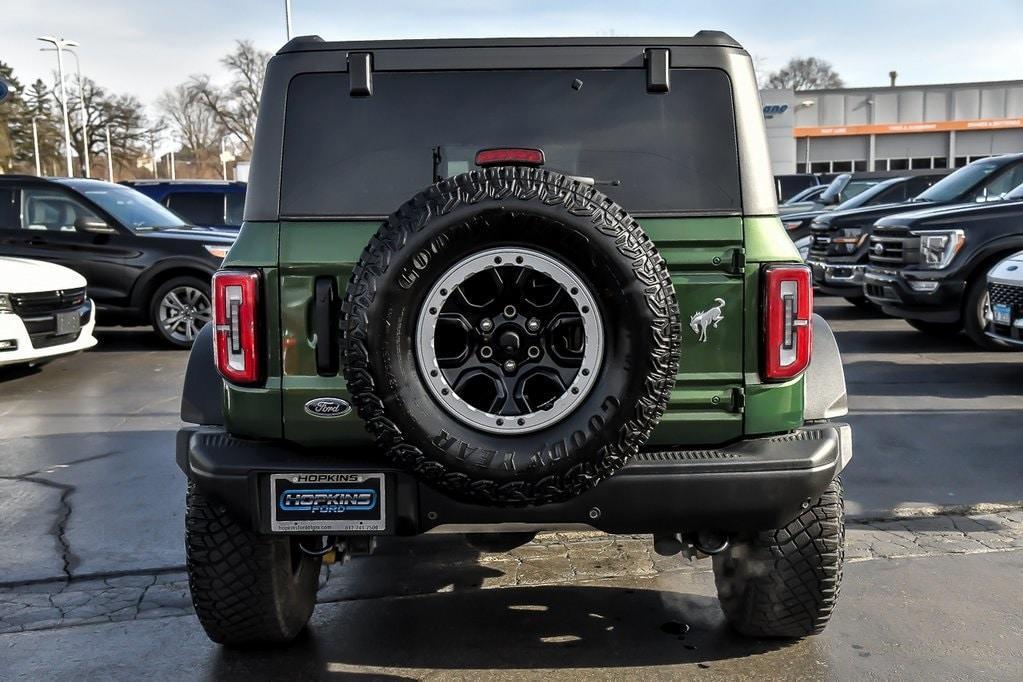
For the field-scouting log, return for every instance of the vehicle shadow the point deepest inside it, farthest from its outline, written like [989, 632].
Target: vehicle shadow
[902, 340]
[531, 628]
[121, 339]
[12, 372]
[960, 380]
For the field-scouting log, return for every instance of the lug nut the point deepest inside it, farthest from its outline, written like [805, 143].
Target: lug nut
[509, 366]
[486, 352]
[533, 352]
[509, 311]
[486, 325]
[533, 325]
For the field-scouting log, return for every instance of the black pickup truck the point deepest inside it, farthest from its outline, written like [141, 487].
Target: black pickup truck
[839, 240]
[882, 191]
[930, 267]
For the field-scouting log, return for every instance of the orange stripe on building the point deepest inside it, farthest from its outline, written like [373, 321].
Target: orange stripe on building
[895, 128]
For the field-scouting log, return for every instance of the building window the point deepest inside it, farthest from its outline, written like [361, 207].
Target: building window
[820, 167]
[841, 166]
[960, 161]
[920, 164]
[859, 166]
[898, 164]
[800, 167]
[940, 162]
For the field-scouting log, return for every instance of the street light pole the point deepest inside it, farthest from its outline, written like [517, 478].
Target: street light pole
[287, 17]
[82, 111]
[110, 158]
[60, 44]
[35, 145]
[223, 159]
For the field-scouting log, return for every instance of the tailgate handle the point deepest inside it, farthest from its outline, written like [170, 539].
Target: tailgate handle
[325, 326]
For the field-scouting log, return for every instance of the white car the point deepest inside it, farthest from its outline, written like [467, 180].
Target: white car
[44, 312]
[1004, 312]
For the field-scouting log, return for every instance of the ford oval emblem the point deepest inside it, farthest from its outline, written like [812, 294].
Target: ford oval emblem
[328, 408]
[878, 249]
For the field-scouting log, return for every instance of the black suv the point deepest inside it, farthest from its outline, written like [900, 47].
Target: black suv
[144, 265]
[930, 267]
[838, 248]
[208, 203]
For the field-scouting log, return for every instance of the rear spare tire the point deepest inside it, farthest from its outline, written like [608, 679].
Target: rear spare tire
[511, 336]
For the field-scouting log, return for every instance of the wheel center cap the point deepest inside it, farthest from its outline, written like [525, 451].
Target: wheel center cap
[509, 341]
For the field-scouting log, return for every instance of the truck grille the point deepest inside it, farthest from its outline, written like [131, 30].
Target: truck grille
[46, 302]
[1006, 294]
[887, 251]
[819, 243]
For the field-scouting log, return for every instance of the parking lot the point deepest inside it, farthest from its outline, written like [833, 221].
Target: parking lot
[92, 560]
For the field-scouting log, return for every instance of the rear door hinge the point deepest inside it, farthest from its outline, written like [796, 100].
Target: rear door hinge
[738, 400]
[736, 261]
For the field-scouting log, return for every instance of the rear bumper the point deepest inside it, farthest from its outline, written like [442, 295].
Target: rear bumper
[754, 484]
[892, 291]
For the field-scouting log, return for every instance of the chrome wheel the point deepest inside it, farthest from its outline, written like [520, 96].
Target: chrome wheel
[509, 340]
[182, 312]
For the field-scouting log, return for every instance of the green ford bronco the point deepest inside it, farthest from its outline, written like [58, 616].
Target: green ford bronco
[493, 287]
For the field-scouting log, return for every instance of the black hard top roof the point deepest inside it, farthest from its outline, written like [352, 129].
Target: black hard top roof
[315, 43]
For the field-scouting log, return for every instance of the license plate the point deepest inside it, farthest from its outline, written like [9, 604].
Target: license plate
[68, 323]
[327, 502]
[1002, 314]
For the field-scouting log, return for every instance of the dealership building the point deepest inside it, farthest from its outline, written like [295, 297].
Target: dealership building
[892, 128]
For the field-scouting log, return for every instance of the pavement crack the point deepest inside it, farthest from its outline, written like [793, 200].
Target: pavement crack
[63, 465]
[59, 527]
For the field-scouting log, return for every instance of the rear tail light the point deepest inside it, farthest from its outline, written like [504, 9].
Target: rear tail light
[236, 336]
[788, 305]
[509, 156]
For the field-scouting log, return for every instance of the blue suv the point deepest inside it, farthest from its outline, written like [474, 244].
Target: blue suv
[209, 203]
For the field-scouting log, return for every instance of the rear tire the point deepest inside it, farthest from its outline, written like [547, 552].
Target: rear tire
[246, 588]
[945, 330]
[785, 582]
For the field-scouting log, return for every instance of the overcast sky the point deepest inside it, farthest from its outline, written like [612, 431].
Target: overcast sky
[146, 46]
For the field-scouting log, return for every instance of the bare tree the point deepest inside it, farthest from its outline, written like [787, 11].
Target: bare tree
[236, 105]
[195, 123]
[124, 114]
[805, 73]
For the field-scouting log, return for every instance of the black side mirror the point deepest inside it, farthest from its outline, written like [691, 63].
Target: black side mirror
[93, 225]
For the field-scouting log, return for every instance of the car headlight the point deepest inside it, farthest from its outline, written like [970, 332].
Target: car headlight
[217, 250]
[5, 304]
[939, 247]
[850, 239]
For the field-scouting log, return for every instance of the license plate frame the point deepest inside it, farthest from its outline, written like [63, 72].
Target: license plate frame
[67, 323]
[1001, 314]
[328, 502]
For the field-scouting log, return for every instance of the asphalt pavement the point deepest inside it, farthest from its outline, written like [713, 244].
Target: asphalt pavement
[91, 558]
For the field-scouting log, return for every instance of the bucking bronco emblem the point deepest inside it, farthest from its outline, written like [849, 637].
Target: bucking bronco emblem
[701, 322]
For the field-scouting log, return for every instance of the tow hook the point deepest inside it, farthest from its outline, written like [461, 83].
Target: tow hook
[691, 545]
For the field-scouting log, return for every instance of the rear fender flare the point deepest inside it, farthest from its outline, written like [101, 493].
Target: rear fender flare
[202, 400]
[824, 391]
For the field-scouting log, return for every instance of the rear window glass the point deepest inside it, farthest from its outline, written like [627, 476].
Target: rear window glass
[199, 208]
[652, 153]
